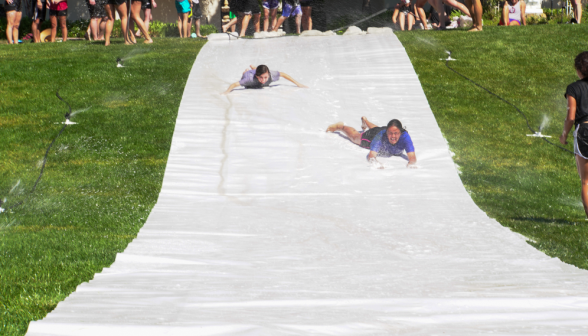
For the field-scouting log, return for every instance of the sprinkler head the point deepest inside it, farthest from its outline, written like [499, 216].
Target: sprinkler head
[538, 135]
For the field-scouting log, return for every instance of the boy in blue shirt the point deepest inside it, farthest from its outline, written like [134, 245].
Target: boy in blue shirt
[381, 141]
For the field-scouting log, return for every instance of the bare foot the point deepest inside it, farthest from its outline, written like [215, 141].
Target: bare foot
[224, 29]
[148, 41]
[363, 123]
[335, 127]
[476, 29]
[106, 43]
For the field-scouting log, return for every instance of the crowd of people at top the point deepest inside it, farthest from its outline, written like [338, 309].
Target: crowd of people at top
[406, 14]
[102, 15]
[242, 12]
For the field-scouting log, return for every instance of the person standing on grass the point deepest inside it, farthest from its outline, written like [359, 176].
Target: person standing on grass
[306, 14]
[391, 140]
[270, 12]
[249, 9]
[196, 15]
[136, 16]
[513, 13]
[404, 13]
[577, 8]
[183, 9]
[13, 9]
[98, 19]
[260, 77]
[290, 8]
[58, 15]
[475, 7]
[121, 8]
[146, 6]
[39, 14]
[577, 96]
[233, 19]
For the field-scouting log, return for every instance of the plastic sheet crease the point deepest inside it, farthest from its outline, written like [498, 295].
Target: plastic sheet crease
[266, 225]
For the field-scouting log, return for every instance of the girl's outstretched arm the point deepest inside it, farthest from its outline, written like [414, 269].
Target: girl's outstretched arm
[231, 88]
[292, 80]
[569, 122]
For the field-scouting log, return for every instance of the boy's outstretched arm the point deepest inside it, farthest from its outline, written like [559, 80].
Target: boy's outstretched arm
[231, 88]
[285, 75]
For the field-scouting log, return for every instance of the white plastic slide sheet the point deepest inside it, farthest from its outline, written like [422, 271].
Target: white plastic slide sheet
[267, 225]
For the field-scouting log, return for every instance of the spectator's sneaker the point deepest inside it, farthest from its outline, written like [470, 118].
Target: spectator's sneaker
[574, 21]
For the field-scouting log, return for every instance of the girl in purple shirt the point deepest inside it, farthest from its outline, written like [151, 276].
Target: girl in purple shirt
[257, 78]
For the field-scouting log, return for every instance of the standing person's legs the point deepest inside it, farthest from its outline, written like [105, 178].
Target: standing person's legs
[53, 18]
[351, 132]
[35, 29]
[122, 13]
[10, 16]
[438, 5]
[186, 25]
[582, 165]
[245, 23]
[577, 5]
[274, 18]
[298, 23]
[256, 19]
[147, 20]
[475, 7]
[401, 18]
[307, 17]
[94, 27]
[16, 26]
[266, 19]
[231, 24]
[136, 16]
[109, 8]
[62, 17]
[102, 28]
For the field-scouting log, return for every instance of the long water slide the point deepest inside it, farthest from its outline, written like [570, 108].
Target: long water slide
[267, 225]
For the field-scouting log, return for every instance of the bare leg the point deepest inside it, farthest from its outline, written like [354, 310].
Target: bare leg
[274, 16]
[94, 27]
[401, 18]
[279, 23]
[36, 32]
[582, 165]
[438, 5]
[10, 16]
[122, 13]
[109, 23]
[475, 7]
[256, 19]
[421, 12]
[63, 24]
[410, 21]
[245, 24]
[298, 23]
[185, 25]
[231, 24]
[306, 18]
[577, 5]
[458, 5]
[102, 26]
[351, 133]
[136, 16]
[53, 19]
[266, 19]
[367, 124]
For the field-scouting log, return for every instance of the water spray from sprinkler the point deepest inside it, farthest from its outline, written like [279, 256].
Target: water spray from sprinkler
[538, 133]
[448, 57]
[119, 63]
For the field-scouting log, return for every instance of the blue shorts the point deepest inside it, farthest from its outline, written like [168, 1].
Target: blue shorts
[270, 4]
[288, 11]
[183, 6]
[511, 20]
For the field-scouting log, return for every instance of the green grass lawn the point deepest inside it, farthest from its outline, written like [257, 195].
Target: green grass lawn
[524, 183]
[103, 175]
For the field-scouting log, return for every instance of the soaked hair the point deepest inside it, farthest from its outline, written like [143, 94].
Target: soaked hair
[396, 123]
[581, 63]
[261, 70]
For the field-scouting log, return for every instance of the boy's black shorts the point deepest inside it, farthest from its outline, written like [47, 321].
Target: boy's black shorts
[15, 6]
[53, 12]
[305, 3]
[369, 135]
[249, 7]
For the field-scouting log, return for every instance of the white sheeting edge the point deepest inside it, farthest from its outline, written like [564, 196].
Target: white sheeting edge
[266, 225]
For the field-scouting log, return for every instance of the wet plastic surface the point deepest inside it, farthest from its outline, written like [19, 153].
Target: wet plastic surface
[267, 225]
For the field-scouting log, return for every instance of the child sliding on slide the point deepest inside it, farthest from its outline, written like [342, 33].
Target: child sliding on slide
[257, 78]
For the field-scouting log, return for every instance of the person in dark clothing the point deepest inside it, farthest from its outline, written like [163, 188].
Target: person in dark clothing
[577, 96]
